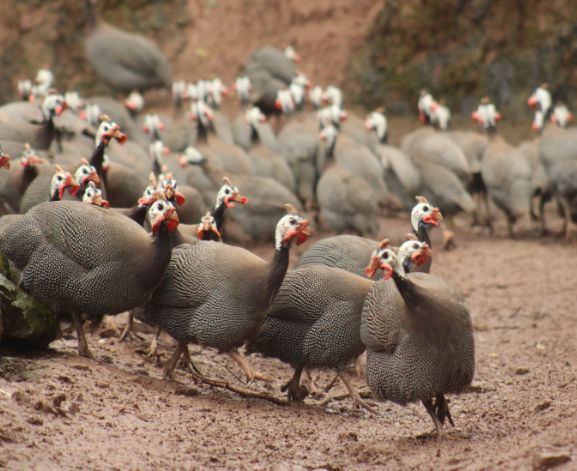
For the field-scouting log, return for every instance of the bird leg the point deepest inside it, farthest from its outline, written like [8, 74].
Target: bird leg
[569, 226]
[448, 240]
[313, 387]
[332, 382]
[152, 350]
[129, 328]
[249, 372]
[354, 394]
[83, 349]
[168, 373]
[295, 391]
[433, 413]
[442, 408]
[360, 365]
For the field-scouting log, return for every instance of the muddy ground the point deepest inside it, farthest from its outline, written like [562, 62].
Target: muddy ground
[60, 411]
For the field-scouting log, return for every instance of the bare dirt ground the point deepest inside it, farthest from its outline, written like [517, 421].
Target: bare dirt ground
[60, 411]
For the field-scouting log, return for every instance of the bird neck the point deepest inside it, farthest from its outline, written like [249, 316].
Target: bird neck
[29, 173]
[218, 214]
[202, 132]
[152, 273]
[97, 158]
[46, 133]
[138, 214]
[274, 276]
[425, 313]
[254, 136]
[55, 196]
[156, 167]
[423, 235]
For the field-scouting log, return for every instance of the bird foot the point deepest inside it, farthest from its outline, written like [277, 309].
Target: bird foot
[153, 349]
[361, 403]
[571, 232]
[295, 392]
[449, 240]
[258, 376]
[84, 351]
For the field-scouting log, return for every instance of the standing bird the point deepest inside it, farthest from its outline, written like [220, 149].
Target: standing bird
[419, 339]
[85, 259]
[125, 61]
[352, 253]
[217, 295]
[315, 321]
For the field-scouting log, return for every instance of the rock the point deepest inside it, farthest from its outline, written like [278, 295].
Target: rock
[550, 459]
[521, 371]
[24, 322]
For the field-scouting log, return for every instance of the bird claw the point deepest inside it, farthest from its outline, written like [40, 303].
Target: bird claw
[295, 393]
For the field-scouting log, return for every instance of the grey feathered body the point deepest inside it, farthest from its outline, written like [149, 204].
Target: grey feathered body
[419, 349]
[315, 319]
[126, 61]
[347, 202]
[74, 256]
[209, 295]
[347, 252]
[507, 176]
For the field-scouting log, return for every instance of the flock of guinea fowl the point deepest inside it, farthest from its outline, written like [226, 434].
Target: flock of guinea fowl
[139, 225]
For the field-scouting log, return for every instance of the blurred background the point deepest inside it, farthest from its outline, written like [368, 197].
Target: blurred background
[379, 52]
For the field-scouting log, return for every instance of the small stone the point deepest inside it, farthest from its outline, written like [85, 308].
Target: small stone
[35, 421]
[543, 406]
[550, 459]
[521, 371]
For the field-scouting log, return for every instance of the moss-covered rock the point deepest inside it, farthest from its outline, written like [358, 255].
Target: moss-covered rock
[25, 322]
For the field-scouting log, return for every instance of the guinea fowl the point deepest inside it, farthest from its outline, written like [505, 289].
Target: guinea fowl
[557, 154]
[352, 253]
[93, 195]
[315, 319]
[507, 177]
[20, 178]
[354, 207]
[419, 339]
[48, 188]
[39, 134]
[85, 259]
[232, 158]
[226, 197]
[125, 61]
[298, 143]
[217, 295]
[266, 162]
[209, 228]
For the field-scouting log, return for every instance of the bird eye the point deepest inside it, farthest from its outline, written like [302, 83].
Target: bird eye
[386, 255]
[425, 208]
[227, 191]
[59, 178]
[85, 171]
[160, 206]
[293, 221]
[415, 246]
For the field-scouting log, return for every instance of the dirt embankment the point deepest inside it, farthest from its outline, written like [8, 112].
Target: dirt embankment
[202, 38]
